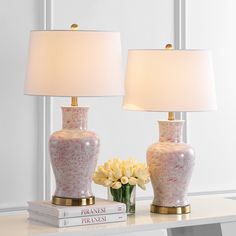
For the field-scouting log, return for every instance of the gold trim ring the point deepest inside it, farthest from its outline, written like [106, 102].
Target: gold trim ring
[64, 201]
[170, 210]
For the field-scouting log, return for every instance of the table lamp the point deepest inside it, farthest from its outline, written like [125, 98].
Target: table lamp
[74, 63]
[170, 81]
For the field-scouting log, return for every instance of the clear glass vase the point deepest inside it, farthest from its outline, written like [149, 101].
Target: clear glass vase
[126, 194]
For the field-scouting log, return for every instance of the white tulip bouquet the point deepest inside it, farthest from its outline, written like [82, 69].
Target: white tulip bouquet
[121, 176]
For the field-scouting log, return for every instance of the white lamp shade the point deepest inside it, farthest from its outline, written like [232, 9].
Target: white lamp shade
[169, 80]
[74, 63]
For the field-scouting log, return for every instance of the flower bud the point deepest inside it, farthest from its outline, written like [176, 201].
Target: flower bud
[133, 181]
[124, 180]
[107, 183]
[116, 185]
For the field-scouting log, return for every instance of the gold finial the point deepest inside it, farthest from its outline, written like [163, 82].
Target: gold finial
[74, 101]
[171, 115]
[169, 46]
[74, 27]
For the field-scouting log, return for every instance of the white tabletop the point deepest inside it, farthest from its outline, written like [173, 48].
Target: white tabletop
[205, 210]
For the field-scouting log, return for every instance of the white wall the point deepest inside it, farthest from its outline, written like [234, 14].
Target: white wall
[211, 25]
[18, 115]
[142, 24]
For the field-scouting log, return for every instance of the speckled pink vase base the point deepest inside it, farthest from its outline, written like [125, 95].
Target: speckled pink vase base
[74, 152]
[170, 164]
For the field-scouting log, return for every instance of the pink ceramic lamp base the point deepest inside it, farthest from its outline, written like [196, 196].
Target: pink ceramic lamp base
[170, 164]
[74, 152]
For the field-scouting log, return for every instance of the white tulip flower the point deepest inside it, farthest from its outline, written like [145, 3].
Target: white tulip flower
[115, 173]
[124, 180]
[116, 185]
[133, 181]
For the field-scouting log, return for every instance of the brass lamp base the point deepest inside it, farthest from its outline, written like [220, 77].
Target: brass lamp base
[170, 210]
[62, 201]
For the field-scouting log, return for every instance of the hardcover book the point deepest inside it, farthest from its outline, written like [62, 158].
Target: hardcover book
[77, 221]
[101, 207]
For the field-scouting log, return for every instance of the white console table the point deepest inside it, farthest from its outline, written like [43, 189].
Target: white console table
[210, 216]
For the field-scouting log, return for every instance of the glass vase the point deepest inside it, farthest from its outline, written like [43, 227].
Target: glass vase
[126, 194]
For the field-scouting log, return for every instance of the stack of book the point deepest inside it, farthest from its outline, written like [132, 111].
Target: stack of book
[104, 211]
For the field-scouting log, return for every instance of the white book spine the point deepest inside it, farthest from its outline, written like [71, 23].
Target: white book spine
[78, 221]
[77, 211]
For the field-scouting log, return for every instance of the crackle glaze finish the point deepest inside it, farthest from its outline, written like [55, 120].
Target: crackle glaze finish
[74, 152]
[170, 164]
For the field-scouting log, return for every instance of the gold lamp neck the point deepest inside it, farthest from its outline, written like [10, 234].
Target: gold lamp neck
[171, 115]
[74, 101]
